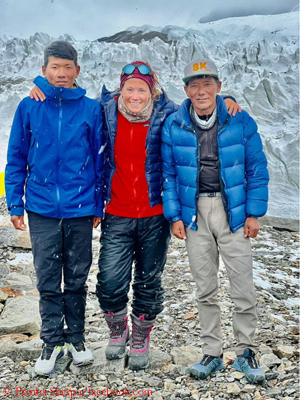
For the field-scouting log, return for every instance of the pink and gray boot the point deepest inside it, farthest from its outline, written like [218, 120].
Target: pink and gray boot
[118, 335]
[139, 342]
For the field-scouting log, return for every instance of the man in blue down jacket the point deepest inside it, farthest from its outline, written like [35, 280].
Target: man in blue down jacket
[215, 188]
[55, 152]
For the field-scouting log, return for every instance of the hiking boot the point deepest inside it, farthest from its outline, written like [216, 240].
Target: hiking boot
[80, 354]
[206, 366]
[45, 364]
[118, 335]
[248, 364]
[139, 343]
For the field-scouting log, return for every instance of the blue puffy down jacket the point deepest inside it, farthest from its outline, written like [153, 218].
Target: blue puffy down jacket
[243, 167]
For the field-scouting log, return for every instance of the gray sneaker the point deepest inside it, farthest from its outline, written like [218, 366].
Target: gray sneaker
[118, 334]
[45, 364]
[81, 355]
[139, 343]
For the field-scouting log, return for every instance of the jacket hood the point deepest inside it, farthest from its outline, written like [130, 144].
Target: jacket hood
[107, 95]
[183, 115]
[55, 92]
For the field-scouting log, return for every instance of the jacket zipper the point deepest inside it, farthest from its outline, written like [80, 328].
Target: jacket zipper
[222, 184]
[58, 156]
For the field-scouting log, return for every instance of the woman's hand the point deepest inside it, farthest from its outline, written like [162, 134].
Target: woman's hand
[37, 94]
[232, 107]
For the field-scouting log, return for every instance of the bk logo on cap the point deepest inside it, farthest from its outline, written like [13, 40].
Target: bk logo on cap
[199, 66]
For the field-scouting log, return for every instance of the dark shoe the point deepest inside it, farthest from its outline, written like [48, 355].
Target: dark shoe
[139, 343]
[248, 364]
[80, 354]
[45, 364]
[206, 366]
[118, 335]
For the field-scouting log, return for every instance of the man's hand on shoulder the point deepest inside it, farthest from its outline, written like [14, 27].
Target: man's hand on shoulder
[18, 222]
[178, 230]
[251, 227]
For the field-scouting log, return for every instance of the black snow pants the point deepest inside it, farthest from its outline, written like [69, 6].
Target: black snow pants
[124, 241]
[62, 252]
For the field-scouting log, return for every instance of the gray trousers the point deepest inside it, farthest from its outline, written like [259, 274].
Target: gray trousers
[212, 238]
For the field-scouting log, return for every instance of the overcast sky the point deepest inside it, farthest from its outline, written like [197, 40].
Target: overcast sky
[92, 19]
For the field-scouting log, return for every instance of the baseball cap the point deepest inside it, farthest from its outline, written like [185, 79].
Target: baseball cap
[200, 67]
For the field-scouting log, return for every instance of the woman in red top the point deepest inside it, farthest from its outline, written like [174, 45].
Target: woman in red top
[134, 230]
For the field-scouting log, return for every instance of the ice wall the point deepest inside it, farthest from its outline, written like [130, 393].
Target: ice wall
[258, 58]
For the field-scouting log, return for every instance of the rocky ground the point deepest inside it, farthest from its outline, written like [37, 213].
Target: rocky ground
[175, 341]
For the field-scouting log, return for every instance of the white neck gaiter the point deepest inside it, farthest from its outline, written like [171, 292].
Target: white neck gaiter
[201, 122]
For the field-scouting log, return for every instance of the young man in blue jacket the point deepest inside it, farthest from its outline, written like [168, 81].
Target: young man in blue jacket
[215, 188]
[55, 158]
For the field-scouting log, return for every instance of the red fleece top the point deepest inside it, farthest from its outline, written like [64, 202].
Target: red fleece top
[129, 191]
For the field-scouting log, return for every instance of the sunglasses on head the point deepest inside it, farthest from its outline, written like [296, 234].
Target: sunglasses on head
[130, 68]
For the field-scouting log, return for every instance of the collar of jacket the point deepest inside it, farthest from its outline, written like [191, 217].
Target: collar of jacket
[53, 92]
[183, 117]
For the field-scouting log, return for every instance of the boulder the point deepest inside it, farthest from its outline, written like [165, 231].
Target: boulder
[186, 355]
[20, 315]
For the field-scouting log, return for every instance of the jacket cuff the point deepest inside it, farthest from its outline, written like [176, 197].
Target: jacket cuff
[175, 219]
[99, 212]
[16, 210]
[252, 216]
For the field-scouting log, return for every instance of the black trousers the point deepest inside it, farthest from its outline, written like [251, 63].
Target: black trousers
[124, 241]
[62, 252]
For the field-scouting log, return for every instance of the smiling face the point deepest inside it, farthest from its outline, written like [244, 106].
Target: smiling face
[136, 94]
[61, 72]
[203, 94]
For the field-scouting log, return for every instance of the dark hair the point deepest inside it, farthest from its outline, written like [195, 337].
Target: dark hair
[200, 77]
[60, 49]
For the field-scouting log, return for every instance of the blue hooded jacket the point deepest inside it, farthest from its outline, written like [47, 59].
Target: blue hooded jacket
[55, 150]
[243, 167]
[163, 107]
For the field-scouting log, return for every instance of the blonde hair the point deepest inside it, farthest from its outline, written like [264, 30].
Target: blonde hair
[157, 89]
